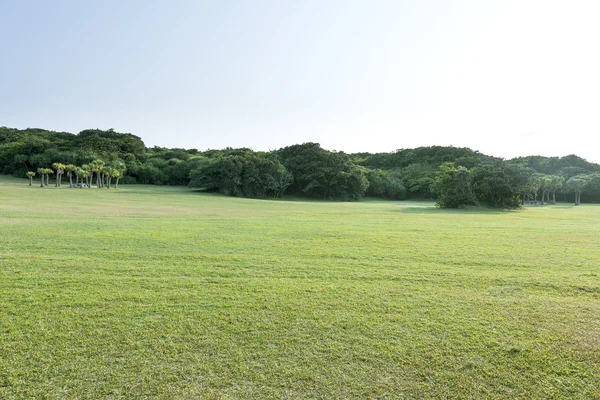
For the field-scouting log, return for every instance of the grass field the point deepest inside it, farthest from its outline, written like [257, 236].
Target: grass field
[160, 292]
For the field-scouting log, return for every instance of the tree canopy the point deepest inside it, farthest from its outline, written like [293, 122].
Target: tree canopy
[453, 176]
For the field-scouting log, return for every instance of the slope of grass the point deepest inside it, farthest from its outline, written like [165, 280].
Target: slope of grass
[159, 292]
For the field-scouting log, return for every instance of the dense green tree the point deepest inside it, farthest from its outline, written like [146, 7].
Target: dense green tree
[278, 180]
[244, 175]
[521, 180]
[497, 185]
[418, 178]
[321, 173]
[386, 185]
[452, 186]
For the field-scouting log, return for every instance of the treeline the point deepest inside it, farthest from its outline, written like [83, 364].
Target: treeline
[453, 176]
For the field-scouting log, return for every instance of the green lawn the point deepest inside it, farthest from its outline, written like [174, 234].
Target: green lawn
[161, 292]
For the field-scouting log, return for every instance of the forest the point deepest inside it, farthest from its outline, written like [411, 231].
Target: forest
[453, 176]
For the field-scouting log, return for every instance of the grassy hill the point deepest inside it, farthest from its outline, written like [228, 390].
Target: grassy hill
[163, 292]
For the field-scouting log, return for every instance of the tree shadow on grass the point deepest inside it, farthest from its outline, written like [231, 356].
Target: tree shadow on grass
[431, 209]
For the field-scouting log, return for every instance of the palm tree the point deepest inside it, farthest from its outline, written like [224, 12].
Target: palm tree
[576, 184]
[42, 172]
[30, 174]
[48, 173]
[60, 169]
[545, 183]
[70, 168]
[97, 166]
[116, 174]
[78, 173]
[113, 173]
[87, 168]
[556, 183]
[120, 168]
[107, 173]
[85, 175]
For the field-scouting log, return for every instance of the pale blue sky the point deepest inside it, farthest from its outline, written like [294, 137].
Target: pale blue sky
[504, 77]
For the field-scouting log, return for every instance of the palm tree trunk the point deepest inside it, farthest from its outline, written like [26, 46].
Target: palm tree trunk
[30, 181]
[42, 184]
[117, 183]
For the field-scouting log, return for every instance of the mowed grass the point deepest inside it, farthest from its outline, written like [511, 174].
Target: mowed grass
[160, 292]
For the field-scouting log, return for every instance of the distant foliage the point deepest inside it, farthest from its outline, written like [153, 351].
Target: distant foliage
[323, 174]
[452, 186]
[453, 176]
[244, 175]
[386, 185]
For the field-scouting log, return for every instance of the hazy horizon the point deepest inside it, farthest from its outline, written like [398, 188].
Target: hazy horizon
[506, 78]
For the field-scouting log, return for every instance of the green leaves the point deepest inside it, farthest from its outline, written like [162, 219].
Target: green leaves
[324, 174]
[247, 175]
[452, 186]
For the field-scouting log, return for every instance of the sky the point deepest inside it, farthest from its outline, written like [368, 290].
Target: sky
[507, 78]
